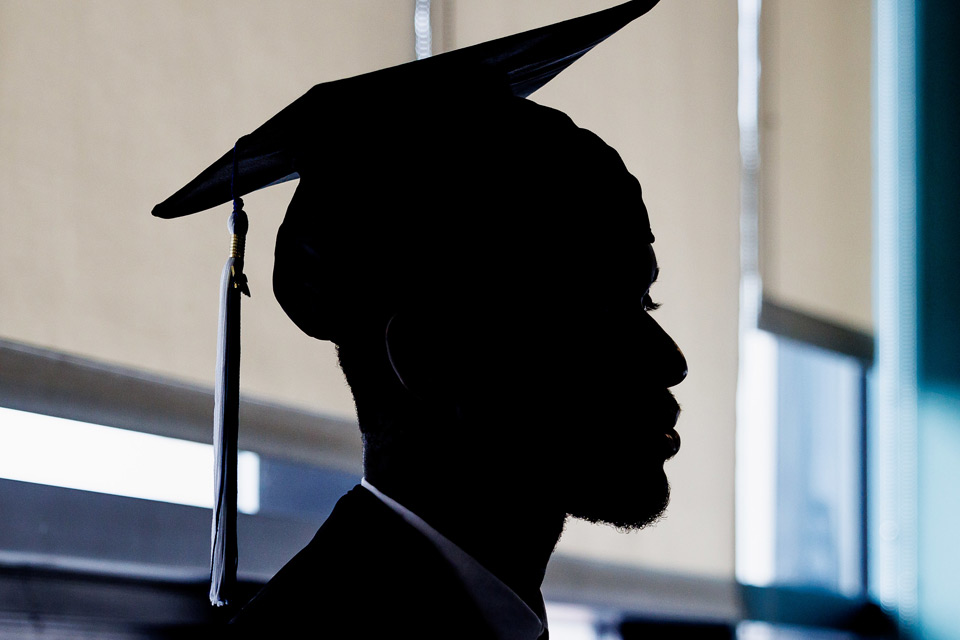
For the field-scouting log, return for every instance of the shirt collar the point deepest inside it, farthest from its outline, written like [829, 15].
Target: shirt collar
[506, 612]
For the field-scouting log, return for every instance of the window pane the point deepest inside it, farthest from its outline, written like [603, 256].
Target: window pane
[78, 455]
[799, 466]
[819, 506]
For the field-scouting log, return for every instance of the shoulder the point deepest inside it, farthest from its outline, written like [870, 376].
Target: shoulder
[366, 573]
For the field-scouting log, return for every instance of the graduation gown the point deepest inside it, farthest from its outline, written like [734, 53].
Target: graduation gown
[366, 574]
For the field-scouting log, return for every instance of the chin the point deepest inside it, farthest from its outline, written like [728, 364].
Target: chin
[626, 504]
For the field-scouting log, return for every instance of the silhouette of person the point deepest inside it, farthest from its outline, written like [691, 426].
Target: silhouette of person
[484, 266]
[507, 372]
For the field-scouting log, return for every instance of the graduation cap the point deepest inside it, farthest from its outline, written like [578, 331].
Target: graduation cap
[458, 120]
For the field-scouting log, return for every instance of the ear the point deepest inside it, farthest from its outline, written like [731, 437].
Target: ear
[422, 354]
[451, 356]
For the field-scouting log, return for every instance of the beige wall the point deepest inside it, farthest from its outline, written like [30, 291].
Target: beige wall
[107, 106]
[815, 212]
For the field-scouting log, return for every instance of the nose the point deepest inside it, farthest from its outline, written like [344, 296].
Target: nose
[677, 369]
[668, 364]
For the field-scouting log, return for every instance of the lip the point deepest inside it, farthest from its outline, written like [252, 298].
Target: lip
[671, 440]
[671, 443]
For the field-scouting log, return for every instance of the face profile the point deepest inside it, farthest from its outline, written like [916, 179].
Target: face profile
[568, 385]
[614, 423]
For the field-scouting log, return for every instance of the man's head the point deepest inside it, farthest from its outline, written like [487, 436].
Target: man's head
[499, 325]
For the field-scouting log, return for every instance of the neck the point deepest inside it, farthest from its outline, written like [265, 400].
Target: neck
[502, 525]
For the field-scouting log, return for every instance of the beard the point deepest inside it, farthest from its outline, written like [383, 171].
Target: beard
[609, 469]
[627, 504]
[594, 446]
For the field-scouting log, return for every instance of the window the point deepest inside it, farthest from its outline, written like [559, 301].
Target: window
[801, 457]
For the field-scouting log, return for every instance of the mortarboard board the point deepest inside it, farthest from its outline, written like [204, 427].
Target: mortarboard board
[470, 128]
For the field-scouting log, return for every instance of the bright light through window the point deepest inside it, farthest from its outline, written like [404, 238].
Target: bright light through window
[571, 622]
[799, 461]
[78, 455]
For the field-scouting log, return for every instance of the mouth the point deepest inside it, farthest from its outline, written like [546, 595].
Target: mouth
[671, 443]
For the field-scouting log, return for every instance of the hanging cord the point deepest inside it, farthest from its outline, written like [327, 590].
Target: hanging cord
[223, 542]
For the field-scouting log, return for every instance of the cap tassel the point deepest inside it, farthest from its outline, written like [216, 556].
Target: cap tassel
[223, 552]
